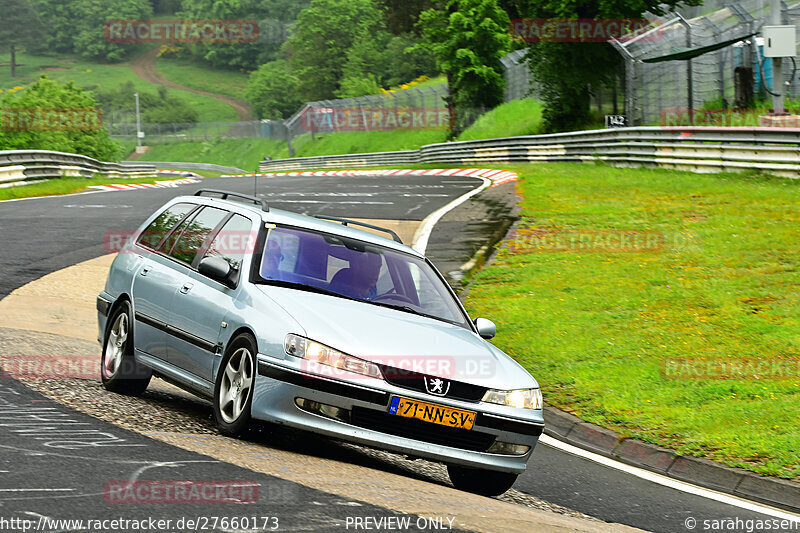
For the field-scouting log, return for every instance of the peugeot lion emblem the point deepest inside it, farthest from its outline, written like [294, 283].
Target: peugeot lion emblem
[437, 386]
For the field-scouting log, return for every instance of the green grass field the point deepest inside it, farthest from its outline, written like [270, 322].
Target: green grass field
[246, 153]
[595, 326]
[104, 77]
[519, 117]
[240, 153]
[190, 74]
[515, 118]
[364, 141]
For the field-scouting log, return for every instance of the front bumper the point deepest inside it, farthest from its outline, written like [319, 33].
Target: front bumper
[363, 406]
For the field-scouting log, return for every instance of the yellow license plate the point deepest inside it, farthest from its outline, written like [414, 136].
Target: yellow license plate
[429, 412]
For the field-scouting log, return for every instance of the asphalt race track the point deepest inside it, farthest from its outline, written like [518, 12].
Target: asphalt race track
[39, 236]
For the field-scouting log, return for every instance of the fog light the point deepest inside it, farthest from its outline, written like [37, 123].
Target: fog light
[323, 409]
[508, 448]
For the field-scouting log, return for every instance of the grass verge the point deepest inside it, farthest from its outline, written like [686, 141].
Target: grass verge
[246, 153]
[240, 153]
[65, 186]
[520, 117]
[596, 325]
[203, 78]
[103, 77]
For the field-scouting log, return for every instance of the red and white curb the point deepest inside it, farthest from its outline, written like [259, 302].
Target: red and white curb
[156, 185]
[497, 177]
[183, 173]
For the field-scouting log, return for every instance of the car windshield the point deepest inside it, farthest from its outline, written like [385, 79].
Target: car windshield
[354, 269]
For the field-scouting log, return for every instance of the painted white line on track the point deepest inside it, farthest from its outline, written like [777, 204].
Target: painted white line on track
[668, 481]
[423, 233]
[37, 490]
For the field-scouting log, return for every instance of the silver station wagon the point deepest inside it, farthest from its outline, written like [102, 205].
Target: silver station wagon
[312, 323]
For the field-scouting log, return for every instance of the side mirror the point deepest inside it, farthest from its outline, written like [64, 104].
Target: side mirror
[485, 327]
[215, 268]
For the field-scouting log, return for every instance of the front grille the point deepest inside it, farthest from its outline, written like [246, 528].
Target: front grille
[416, 382]
[412, 428]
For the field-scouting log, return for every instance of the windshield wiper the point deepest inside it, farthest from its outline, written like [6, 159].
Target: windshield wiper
[405, 308]
[305, 287]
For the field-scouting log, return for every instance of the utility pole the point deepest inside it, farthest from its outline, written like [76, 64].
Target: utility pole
[138, 124]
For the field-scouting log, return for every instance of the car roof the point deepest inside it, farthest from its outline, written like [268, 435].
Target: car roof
[289, 218]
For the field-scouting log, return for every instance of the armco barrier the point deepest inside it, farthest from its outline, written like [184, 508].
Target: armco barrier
[23, 165]
[177, 165]
[697, 149]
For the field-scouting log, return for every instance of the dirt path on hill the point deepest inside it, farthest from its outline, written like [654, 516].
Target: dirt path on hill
[144, 66]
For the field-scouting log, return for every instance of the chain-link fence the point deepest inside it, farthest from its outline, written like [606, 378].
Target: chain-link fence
[155, 133]
[706, 81]
[411, 109]
[519, 82]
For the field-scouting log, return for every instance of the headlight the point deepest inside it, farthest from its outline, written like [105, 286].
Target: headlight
[319, 354]
[520, 398]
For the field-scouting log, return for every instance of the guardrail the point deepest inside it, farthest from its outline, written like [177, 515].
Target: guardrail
[697, 149]
[24, 165]
[177, 165]
[407, 157]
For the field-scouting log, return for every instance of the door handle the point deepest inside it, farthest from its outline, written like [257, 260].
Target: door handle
[186, 287]
[145, 270]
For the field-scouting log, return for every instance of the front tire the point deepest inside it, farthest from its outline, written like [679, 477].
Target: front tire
[233, 390]
[479, 481]
[118, 369]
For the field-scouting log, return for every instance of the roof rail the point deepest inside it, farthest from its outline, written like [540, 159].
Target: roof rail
[225, 194]
[346, 221]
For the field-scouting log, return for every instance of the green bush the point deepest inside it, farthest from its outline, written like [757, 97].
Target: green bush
[44, 96]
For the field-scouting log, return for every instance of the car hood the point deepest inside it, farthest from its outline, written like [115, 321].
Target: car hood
[400, 339]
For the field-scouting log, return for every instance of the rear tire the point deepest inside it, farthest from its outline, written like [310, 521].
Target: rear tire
[479, 481]
[233, 390]
[118, 369]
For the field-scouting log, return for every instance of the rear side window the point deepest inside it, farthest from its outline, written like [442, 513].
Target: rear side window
[194, 233]
[152, 236]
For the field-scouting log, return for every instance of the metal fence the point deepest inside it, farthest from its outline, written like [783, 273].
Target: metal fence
[25, 165]
[519, 82]
[390, 110]
[652, 88]
[698, 149]
[199, 131]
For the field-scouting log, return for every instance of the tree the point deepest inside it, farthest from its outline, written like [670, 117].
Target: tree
[273, 17]
[272, 91]
[468, 38]
[402, 15]
[564, 71]
[323, 34]
[21, 26]
[77, 26]
[27, 125]
[379, 59]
